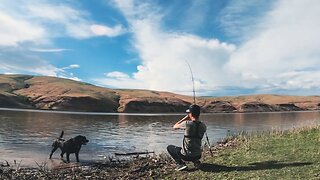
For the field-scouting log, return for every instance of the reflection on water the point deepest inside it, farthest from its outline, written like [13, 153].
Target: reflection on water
[28, 135]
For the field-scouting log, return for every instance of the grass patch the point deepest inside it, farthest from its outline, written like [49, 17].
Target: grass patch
[270, 155]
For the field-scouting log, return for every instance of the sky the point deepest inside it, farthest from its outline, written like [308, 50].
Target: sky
[233, 47]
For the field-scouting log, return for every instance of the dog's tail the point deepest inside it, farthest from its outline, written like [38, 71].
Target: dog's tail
[62, 132]
[61, 135]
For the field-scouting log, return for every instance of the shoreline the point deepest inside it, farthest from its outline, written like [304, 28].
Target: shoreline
[137, 114]
[241, 147]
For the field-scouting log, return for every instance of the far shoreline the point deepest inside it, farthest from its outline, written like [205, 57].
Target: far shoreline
[136, 114]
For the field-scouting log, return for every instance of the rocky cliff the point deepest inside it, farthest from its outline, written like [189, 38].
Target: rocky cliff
[38, 92]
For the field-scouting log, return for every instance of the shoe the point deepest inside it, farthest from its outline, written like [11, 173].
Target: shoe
[181, 167]
[197, 164]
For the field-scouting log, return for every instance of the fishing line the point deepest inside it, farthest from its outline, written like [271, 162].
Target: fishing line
[194, 102]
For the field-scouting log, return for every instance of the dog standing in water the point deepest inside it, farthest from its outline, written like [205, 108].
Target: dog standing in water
[73, 145]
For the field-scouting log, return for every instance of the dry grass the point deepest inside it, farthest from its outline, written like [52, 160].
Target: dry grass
[50, 92]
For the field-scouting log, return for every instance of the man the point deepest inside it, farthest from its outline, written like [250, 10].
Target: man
[193, 134]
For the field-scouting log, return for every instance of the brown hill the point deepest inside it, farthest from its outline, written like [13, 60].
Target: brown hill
[38, 92]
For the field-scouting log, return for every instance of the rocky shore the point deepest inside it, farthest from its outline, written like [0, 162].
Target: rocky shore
[142, 168]
[137, 167]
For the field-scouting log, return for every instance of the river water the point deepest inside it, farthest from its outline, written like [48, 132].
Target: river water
[26, 136]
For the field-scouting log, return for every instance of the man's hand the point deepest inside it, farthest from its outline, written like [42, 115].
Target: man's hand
[178, 124]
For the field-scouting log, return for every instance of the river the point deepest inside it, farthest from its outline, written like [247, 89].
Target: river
[26, 136]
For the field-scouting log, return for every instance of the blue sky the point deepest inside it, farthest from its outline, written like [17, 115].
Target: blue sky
[234, 47]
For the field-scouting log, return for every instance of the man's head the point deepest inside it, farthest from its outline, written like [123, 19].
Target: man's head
[194, 110]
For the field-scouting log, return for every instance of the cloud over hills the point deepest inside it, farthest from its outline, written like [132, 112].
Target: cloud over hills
[280, 53]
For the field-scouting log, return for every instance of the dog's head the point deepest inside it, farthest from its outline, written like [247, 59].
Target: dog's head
[81, 140]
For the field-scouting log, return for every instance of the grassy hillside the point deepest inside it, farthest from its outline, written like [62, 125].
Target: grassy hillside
[23, 91]
[9, 83]
[270, 99]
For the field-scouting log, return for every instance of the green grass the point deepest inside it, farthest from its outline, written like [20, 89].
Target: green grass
[276, 155]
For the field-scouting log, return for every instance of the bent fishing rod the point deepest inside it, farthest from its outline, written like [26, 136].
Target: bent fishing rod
[194, 102]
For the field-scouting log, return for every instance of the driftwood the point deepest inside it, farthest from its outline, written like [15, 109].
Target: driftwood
[133, 153]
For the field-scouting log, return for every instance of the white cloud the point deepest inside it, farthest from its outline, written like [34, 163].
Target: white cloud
[38, 66]
[286, 44]
[19, 60]
[101, 30]
[14, 31]
[281, 53]
[47, 70]
[41, 21]
[71, 66]
[76, 23]
[49, 50]
[74, 66]
[164, 56]
[117, 75]
[240, 17]
[54, 12]
[118, 79]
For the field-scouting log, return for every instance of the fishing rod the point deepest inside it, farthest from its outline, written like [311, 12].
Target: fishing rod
[193, 89]
[194, 102]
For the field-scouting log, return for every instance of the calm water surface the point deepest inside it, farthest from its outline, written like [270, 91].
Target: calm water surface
[27, 136]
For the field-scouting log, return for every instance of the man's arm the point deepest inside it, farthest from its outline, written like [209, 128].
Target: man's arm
[178, 124]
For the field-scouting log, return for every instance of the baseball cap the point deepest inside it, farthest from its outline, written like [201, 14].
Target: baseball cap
[194, 109]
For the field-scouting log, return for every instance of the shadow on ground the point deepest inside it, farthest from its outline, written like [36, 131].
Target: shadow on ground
[251, 167]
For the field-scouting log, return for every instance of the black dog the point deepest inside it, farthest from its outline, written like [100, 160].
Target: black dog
[73, 145]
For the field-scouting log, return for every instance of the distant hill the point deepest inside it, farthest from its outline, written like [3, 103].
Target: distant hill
[40, 92]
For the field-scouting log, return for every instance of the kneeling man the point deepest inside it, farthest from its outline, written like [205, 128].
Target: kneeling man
[193, 134]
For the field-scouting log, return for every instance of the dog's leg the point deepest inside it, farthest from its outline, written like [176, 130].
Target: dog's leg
[53, 150]
[68, 154]
[61, 155]
[77, 156]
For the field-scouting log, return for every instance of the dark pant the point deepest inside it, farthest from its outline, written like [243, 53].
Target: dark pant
[175, 153]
